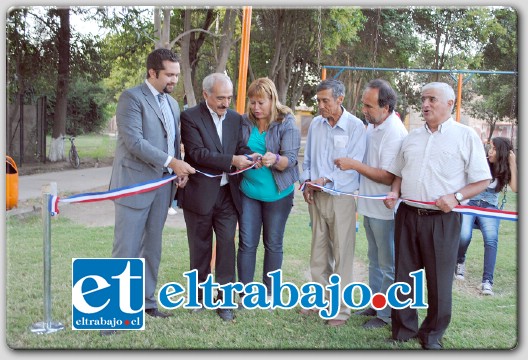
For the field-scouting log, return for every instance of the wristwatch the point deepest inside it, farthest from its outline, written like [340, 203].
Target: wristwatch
[459, 197]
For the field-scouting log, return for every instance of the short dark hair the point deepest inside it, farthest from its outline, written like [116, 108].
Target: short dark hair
[386, 94]
[155, 59]
[338, 88]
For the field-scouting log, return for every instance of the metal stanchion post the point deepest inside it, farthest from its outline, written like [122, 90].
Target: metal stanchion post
[46, 326]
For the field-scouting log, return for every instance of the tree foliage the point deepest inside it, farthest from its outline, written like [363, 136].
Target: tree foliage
[33, 58]
[497, 94]
[386, 40]
[45, 55]
[288, 45]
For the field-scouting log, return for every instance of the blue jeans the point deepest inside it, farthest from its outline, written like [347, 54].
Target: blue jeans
[270, 217]
[490, 233]
[380, 237]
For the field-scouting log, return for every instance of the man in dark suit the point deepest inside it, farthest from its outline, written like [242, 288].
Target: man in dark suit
[212, 138]
[148, 148]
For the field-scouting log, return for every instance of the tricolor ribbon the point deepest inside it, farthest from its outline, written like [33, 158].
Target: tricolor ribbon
[337, 192]
[230, 174]
[463, 209]
[53, 204]
[475, 210]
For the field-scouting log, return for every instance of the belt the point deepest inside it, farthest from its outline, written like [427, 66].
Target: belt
[423, 212]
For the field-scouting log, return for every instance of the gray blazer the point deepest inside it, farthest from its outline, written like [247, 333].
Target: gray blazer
[141, 144]
[282, 138]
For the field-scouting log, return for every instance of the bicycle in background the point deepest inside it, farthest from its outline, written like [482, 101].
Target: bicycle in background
[73, 155]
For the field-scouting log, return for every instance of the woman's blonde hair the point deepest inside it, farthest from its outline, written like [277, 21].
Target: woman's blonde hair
[265, 88]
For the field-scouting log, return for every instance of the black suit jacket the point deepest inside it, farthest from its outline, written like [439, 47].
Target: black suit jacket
[205, 152]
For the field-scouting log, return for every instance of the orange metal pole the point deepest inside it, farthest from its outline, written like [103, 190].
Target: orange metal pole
[242, 80]
[323, 74]
[459, 97]
[244, 60]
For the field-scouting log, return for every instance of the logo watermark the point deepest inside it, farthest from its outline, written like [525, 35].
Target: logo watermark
[108, 294]
[286, 295]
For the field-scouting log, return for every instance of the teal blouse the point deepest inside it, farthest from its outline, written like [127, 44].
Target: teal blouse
[259, 184]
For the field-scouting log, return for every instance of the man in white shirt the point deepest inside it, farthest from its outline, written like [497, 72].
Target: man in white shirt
[385, 134]
[441, 163]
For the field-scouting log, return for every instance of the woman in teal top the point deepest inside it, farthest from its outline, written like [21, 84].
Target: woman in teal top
[267, 190]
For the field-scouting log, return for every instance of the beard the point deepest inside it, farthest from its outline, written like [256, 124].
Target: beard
[166, 89]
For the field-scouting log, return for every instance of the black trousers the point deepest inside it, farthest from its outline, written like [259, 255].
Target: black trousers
[430, 242]
[222, 220]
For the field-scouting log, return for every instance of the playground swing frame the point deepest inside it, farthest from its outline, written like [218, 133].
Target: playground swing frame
[460, 81]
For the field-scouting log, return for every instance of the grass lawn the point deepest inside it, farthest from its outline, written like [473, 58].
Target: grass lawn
[478, 322]
[92, 146]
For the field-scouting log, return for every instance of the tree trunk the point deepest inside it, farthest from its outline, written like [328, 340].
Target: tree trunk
[162, 28]
[299, 78]
[157, 27]
[61, 106]
[491, 129]
[226, 41]
[272, 74]
[196, 42]
[185, 62]
[165, 29]
[190, 46]
[285, 65]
